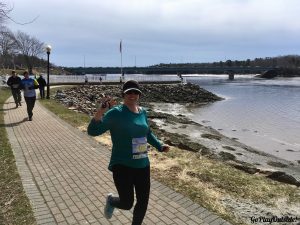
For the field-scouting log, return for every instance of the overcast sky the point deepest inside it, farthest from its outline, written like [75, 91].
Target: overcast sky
[160, 31]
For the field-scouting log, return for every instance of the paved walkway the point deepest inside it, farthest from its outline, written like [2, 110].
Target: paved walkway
[65, 175]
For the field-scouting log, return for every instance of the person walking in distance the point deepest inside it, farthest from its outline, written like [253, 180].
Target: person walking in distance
[29, 85]
[129, 162]
[42, 84]
[15, 84]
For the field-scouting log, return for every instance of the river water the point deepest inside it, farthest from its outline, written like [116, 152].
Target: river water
[264, 114]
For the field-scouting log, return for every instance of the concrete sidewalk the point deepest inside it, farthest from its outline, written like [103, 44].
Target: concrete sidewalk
[65, 176]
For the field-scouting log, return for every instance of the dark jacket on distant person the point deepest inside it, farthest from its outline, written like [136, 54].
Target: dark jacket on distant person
[41, 81]
[14, 82]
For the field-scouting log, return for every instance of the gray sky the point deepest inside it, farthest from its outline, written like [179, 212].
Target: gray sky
[160, 31]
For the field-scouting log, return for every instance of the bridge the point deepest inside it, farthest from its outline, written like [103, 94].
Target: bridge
[169, 70]
[168, 75]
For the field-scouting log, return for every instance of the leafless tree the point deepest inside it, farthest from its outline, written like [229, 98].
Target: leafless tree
[7, 40]
[8, 47]
[4, 15]
[30, 47]
[4, 12]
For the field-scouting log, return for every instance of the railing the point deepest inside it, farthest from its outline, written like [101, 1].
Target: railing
[110, 78]
[91, 78]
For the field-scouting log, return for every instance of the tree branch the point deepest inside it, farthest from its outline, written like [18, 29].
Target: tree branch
[4, 15]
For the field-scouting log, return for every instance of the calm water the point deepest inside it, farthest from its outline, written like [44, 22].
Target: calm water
[264, 114]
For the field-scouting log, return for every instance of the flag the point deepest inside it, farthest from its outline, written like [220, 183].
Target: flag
[121, 46]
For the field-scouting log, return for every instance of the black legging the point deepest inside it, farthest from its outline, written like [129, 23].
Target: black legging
[30, 101]
[127, 180]
[16, 93]
[42, 91]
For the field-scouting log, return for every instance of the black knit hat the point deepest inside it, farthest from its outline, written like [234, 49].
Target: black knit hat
[131, 85]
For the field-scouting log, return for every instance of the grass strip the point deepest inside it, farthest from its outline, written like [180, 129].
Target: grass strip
[76, 119]
[15, 207]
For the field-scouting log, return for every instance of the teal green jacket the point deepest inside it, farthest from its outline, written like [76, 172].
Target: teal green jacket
[130, 134]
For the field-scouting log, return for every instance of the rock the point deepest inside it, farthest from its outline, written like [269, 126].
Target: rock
[187, 147]
[248, 168]
[283, 177]
[229, 148]
[70, 103]
[269, 74]
[180, 141]
[60, 95]
[171, 93]
[211, 136]
[276, 164]
[227, 156]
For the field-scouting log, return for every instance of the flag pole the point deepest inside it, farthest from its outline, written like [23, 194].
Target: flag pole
[121, 58]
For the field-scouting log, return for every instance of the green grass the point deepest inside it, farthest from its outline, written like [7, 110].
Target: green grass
[15, 207]
[76, 119]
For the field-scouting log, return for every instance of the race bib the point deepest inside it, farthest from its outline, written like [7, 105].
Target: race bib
[139, 148]
[27, 87]
[15, 85]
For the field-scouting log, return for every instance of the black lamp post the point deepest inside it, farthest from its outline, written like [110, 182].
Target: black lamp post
[48, 50]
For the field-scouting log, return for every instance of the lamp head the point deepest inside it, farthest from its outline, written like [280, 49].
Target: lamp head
[48, 49]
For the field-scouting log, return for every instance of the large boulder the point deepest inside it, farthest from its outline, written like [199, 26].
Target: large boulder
[283, 177]
[269, 74]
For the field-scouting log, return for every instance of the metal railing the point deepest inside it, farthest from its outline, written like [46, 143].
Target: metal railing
[110, 78]
[91, 78]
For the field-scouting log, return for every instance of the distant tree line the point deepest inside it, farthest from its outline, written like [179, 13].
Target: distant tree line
[288, 61]
[288, 65]
[285, 65]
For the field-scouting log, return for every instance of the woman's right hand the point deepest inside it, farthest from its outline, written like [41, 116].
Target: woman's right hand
[105, 104]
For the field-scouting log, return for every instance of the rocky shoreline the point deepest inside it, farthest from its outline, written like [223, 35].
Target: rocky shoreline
[178, 130]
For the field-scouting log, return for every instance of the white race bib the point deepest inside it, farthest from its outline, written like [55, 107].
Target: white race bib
[139, 148]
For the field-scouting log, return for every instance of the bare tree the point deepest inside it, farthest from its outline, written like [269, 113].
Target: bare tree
[8, 47]
[3, 12]
[4, 15]
[30, 47]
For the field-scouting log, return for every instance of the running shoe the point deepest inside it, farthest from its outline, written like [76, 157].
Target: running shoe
[109, 209]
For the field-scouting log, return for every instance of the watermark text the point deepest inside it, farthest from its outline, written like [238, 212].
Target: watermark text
[274, 219]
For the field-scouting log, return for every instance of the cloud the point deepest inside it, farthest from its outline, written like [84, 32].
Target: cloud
[161, 30]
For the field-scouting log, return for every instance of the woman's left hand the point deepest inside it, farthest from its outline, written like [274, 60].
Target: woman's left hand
[165, 148]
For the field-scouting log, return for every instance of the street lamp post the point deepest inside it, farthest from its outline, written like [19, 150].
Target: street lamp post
[48, 50]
